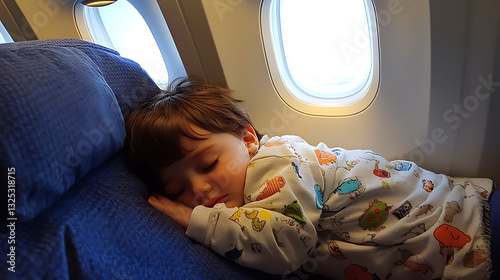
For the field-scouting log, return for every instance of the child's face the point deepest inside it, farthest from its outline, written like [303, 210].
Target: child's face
[213, 171]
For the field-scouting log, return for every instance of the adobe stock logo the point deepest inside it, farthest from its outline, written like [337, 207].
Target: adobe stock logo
[454, 116]
[281, 118]
[224, 6]
[47, 10]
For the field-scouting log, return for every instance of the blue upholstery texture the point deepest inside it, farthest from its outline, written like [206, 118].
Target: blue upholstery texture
[495, 233]
[60, 116]
[103, 228]
[82, 210]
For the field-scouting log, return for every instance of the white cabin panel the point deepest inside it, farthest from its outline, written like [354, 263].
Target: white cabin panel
[400, 111]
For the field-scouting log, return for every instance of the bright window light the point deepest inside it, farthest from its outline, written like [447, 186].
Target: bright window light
[4, 35]
[320, 47]
[121, 27]
[326, 51]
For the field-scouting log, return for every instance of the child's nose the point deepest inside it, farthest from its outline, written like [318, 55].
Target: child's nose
[201, 187]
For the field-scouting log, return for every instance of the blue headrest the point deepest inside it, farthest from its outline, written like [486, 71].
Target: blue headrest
[62, 104]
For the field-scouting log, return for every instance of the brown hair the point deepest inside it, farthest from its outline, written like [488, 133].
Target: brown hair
[154, 128]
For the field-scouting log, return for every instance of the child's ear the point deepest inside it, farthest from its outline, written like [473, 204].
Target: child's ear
[251, 140]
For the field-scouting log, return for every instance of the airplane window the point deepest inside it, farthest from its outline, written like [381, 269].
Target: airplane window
[121, 27]
[325, 53]
[4, 35]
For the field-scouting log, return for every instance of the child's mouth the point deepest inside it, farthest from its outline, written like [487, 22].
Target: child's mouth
[215, 201]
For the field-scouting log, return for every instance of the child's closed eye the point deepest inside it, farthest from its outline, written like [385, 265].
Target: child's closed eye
[210, 166]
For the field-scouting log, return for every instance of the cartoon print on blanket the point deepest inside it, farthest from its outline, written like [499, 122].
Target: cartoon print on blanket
[351, 207]
[374, 216]
[411, 195]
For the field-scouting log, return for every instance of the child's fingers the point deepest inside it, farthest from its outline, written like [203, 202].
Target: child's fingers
[176, 210]
[160, 202]
[153, 201]
[159, 199]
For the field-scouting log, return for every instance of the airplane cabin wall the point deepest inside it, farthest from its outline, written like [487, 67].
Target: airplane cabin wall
[464, 89]
[490, 165]
[438, 121]
[47, 19]
[400, 112]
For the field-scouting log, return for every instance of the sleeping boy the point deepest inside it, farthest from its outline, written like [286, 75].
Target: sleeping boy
[278, 203]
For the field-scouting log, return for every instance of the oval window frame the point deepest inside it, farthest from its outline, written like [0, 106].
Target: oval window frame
[4, 34]
[151, 14]
[295, 96]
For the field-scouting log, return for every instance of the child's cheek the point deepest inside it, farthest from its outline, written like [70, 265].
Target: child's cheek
[233, 167]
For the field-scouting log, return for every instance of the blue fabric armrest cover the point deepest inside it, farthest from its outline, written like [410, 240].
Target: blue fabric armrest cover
[61, 105]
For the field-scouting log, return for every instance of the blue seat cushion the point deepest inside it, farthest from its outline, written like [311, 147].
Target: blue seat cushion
[495, 233]
[103, 228]
[61, 114]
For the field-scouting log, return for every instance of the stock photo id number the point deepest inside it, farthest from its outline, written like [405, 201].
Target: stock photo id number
[11, 219]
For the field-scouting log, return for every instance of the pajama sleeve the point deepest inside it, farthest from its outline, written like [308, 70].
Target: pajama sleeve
[254, 237]
[275, 231]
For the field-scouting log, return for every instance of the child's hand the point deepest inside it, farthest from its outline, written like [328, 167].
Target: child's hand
[177, 211]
